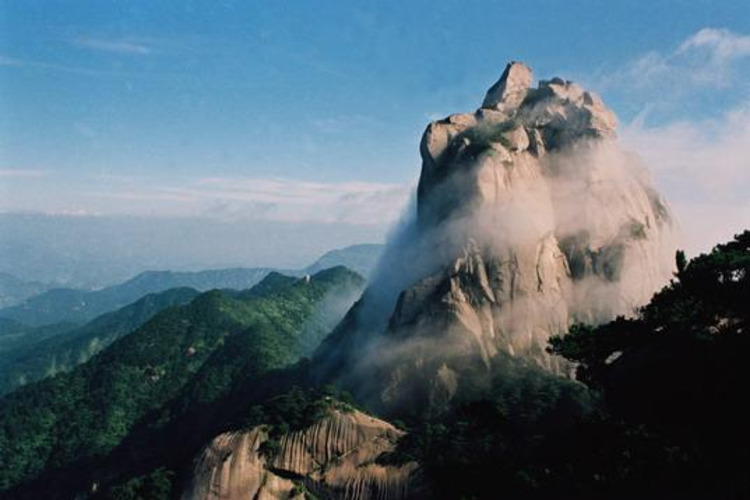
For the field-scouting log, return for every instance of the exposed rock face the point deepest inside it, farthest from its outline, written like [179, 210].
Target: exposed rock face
[334, 458]
[510, 91]
[529, 217]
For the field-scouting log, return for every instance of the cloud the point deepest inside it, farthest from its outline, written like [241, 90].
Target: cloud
[132, 46]
[29, 63]
[276, 199]
[721, 44]
[708, 60]
[690, 121]
[21, 173]
[703, 167]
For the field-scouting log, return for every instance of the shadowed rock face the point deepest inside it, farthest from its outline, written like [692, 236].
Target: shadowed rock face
[334, 458]
[530, 217]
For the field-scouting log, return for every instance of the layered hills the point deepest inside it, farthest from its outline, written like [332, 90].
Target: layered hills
[508, 344]
[49, 355]
[55, 305]
[176, 363]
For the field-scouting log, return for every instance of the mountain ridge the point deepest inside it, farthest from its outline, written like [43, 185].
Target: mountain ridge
[49, 356]
[179, 361]
[78, 306]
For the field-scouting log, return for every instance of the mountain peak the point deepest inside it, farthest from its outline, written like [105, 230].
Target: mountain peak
[530, 217]
[516, 124]
[510, 90]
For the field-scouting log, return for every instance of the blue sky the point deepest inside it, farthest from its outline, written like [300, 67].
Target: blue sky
[312, 110]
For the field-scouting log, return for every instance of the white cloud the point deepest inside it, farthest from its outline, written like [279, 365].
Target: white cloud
[288, 200]
[708, 59]
[29, 63]
[23, 173]
[133, 46]
[703, 168]
[693, 129]
[721, 44]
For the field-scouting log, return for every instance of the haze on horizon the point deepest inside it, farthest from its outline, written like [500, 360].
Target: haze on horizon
[225, 134]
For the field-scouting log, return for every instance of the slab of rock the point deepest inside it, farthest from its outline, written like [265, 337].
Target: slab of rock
[333, 458]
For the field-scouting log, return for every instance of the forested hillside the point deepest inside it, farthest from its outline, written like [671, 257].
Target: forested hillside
[182, 358]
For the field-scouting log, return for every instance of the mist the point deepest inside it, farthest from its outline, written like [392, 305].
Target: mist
[503, 246]
[97, 251]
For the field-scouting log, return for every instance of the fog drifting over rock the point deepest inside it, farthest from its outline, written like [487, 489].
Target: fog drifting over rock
[529, 217]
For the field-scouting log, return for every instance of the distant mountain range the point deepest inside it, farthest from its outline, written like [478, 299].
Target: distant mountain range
[79, 306]
[94, 251]
[14, 290]
[360, 258]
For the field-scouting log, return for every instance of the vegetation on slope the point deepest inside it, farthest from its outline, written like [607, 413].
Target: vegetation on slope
[181, 360]
[49, 355]
[659, 409]
[16, 336]
[664, 411]
[677, 373]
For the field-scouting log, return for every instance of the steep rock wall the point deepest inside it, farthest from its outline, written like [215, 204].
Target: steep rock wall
[530, 217]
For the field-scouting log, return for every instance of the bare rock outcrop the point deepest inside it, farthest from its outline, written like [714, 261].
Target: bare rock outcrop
[333, 458]
[530, 217]
[511, 89]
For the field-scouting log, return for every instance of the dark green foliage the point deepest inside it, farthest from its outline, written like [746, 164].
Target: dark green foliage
[297, 409]
[157, 485]
[674, 377]
[49, 355]
[583, 261]
[637, 230]
[681, 262]
[665, 412]
[269, 449]
[15, 337]
[172, 369]
[481, 138]
[515, 437]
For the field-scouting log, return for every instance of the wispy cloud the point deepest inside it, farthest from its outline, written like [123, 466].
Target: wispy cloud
[693, 129]
[30, 63]
[704, 168]
[287, 200]
[21, 173]
[131, 46]
[709, 59]
[722, 45]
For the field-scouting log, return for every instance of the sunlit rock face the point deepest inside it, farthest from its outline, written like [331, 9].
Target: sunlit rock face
[530, 216]
[334, 458]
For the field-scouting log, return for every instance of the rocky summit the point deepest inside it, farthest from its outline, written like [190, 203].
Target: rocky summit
[530, 217]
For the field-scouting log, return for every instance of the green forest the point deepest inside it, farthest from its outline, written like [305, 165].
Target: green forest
[657, 406]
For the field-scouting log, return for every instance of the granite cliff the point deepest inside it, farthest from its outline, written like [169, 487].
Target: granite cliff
[530, 217]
